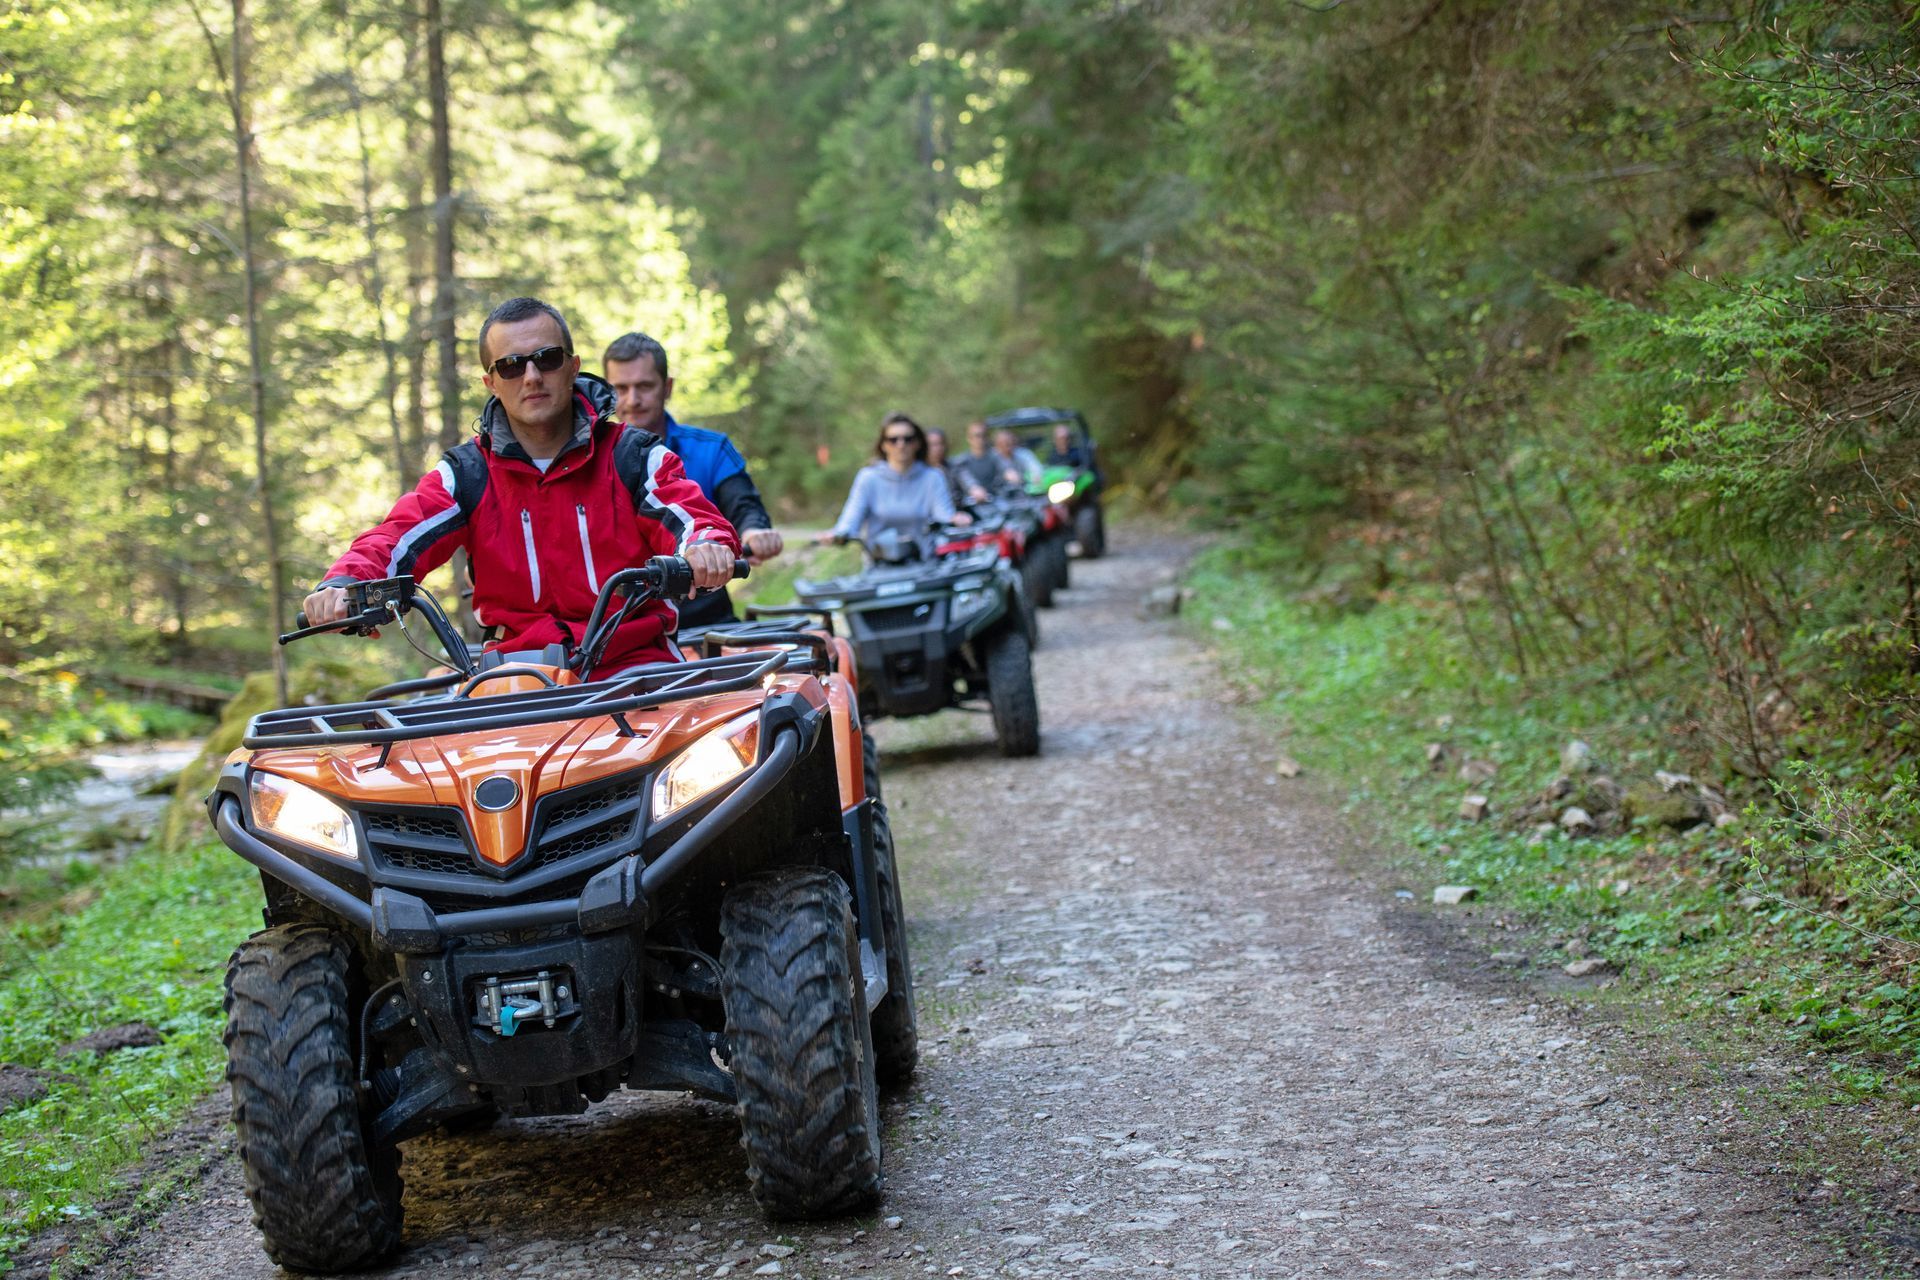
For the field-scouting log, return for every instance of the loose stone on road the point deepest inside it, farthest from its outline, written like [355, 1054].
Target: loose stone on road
[1165, 1032]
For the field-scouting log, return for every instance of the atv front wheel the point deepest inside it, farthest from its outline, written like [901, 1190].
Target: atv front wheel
[1016, 708]
[869, 763]
[803, 1060]
[324, 1198]
[896, 1038]
[1090, 531]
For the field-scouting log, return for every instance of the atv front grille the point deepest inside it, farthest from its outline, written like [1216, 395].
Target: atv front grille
[421, 839]
[575, 823]
[906, 617]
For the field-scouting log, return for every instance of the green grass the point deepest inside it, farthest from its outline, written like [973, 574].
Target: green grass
[1685, 915]
[150, 949]
[772, 583]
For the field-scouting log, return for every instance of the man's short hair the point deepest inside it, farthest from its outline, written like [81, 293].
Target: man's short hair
[522, 309]
[631, 346]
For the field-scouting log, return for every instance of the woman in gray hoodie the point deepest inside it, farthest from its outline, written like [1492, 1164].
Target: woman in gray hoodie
[900, 491]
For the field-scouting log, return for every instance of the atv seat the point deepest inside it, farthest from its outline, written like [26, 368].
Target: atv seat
[552, 656]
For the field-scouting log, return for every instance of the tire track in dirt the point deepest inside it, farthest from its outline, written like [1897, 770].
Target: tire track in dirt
[1165, 1032]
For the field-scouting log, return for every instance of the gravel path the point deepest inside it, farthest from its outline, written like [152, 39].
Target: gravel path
[1166, 1033]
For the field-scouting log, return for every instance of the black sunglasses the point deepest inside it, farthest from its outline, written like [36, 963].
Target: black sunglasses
[546, 360]
[898, 439]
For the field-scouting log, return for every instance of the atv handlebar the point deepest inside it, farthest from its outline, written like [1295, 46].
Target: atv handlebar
[381, 600]
[661, 578]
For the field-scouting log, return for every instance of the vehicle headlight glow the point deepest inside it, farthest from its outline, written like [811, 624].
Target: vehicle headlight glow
[1059, 491]
[719, 756]
[297, 812]
[968, 603]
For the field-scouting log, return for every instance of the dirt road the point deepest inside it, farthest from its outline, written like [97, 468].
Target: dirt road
[1166, 1031]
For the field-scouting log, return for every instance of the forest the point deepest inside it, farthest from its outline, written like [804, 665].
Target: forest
[1573, 340]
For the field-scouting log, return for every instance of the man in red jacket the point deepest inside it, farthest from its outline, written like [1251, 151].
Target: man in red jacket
[550, 497]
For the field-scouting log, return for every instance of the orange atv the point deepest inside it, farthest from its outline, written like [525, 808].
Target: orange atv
[515, 891]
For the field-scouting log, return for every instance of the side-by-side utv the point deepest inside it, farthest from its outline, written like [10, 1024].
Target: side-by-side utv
[516, 890]
[1076, 485]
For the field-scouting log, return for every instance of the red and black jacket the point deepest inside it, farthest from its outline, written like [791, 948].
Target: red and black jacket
[541, 544]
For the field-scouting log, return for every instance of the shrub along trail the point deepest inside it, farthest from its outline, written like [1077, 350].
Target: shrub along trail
[1166, 1030]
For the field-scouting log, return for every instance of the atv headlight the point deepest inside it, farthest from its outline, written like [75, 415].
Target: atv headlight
[1060, 491]
[719, 756]
[968, 603]
[297, 812]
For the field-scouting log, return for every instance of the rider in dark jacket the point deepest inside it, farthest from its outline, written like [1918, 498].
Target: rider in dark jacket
[637, 368]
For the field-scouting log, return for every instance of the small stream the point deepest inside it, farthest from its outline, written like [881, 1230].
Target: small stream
[106, 815]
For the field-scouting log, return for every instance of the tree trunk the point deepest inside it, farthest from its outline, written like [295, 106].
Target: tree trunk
[256, 364]
[175, 579]
[445, 284]
[446, 301]
[404, 466]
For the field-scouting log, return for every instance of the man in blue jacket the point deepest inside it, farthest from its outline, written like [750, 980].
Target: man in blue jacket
[637, 368]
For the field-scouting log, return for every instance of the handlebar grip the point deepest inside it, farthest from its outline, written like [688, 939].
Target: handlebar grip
[741, 568]
[300, 622]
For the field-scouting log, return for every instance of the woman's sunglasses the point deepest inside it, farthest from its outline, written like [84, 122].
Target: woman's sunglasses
[546, 360]
[898, 439]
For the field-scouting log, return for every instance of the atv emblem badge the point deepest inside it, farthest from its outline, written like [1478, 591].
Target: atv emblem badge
[497, 793]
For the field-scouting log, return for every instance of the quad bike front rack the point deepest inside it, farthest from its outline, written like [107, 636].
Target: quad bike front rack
[353, 723]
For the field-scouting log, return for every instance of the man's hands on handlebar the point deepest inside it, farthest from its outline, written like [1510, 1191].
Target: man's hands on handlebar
[328, 604]
[711, 562]
[762, 545]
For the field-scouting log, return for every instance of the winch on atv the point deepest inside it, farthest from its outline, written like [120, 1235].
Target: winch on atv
[517, 891]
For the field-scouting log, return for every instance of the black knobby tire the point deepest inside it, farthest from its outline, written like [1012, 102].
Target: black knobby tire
[896, 1035]
[1057, 555]
[1090, 531]
[1016, 708]
[802, 1053]
[323, 1198]
[1037, 577]
[870, 763]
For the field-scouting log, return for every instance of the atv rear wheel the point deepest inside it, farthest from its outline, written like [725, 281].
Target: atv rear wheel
[1016, 708]
[896, 1038]
[802, 1061]
[1037, 577]
[1057, 557]
[323, 1197]
[1090, 531]
[1029, 618]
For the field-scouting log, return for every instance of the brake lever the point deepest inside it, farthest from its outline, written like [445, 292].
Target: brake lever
[357, 626]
